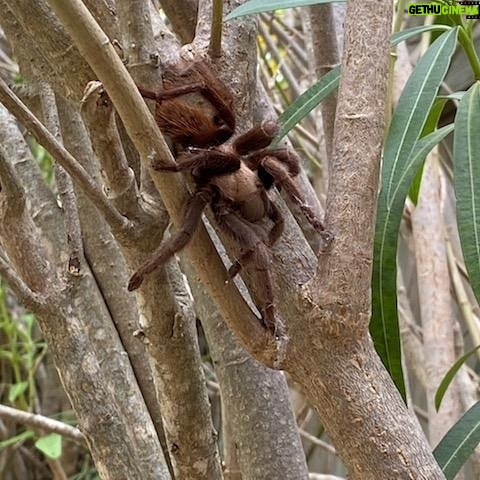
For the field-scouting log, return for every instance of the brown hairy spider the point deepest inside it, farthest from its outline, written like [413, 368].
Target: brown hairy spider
[232, 178]
[187, 118]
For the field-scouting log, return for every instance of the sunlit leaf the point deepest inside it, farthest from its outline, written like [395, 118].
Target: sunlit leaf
[50, 445]
[16, 390]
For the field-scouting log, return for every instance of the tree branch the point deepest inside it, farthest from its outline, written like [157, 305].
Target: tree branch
[99, 117]
[18, 236]
[183, 20]
[28, 297]
[63, 157]
[64, 182]
[45, 211]
[43, 423]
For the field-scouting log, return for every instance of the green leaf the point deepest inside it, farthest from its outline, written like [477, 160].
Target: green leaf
[414, 106]
[50, 445]
[430, 125]
[454, 96]
[466, 152]
[459, 443]
[20, 438]
[16, 390]
[307, 101]
[403, 155]
[447, 379]
[384, 324]
[411, 32]
[257, 6]
[312, 97]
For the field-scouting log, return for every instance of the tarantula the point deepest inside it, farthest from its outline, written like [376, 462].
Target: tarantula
[232, 178]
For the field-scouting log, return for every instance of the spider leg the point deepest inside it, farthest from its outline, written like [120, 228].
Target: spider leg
[275, 215]
[191, 218]
[259, 136]
[214, 97]
[286, 156]
[245, 235]
[281, 175]
[207, 163]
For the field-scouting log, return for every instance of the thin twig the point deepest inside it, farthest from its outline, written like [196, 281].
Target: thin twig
[63, 157]
[44, 423]
[321, 476]
[316, 441]
[215, 46]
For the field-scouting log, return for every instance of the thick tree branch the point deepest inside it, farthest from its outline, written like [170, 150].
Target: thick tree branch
[438, 314]
[59, 58]
[45, 211]
[354, 173]
[107, 264]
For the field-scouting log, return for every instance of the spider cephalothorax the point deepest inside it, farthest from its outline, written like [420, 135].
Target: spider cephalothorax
[234, 179]
[194, 108]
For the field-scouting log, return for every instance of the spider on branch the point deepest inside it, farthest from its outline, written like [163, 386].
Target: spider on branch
[233, 178]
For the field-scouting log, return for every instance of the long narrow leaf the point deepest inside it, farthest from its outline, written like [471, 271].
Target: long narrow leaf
[411, 32]
[414, 106]
[459, 443]
[384, 329]
[307, 101]
[449, 376]
[466, 150]
[257, 6]
[401, 161]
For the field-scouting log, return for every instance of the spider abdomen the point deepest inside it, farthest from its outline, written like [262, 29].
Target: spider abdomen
[244, 190]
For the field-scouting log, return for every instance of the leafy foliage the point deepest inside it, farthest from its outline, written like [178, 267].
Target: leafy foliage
[459, 443]
[466, 148]
[402, 156]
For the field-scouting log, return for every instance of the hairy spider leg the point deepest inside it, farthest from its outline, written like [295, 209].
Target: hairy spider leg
[191, 218]
[285, 155]
[258, 137]
[274, 214]
[280, 173]
[241, 231]
[203, 165]
[224, 110]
